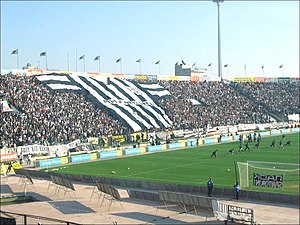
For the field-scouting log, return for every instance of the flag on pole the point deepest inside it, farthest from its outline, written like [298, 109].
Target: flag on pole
[280, 66]
[262, 66]
[43, 54]
[15, 52]
[118, 60]
[81, 57]
[209, 64]
[157, 62]
[139, 60]
[97, 58]
[226, 65]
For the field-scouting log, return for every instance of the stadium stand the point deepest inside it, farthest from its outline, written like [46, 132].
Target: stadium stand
[278, 98]
[49, 117]
[46, 116]
[218, 98]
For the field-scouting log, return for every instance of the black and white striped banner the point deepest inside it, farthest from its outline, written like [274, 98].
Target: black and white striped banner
[131, 102]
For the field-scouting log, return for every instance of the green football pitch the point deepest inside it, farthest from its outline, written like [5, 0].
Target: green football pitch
[193, 166]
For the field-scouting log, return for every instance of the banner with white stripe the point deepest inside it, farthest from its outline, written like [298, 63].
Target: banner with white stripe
[131, 102]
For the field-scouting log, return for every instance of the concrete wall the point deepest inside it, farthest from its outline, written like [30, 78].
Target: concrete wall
[149, 190]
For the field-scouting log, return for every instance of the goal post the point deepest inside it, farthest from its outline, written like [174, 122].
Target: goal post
[243, 174]
[256, 175]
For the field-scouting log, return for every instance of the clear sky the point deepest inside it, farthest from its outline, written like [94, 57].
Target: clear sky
[253, 33]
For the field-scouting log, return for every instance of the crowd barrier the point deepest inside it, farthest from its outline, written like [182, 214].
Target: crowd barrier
[108, 192]
[236, 214]
[24, 178]
[61, 182]
[26, 218]
[240, 214]
[185, 200]
[155, 148]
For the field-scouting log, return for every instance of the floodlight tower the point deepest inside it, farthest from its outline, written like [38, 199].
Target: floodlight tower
[219, 39]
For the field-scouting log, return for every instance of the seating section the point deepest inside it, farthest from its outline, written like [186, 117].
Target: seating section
[279, 97]
[49, 114]
[50, 117]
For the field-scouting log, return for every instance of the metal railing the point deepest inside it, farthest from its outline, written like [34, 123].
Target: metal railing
[28, 219]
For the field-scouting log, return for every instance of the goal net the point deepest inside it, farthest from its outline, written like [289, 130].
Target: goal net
[254, 174]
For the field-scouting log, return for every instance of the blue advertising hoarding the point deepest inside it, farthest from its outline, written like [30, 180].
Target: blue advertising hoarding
[174, 145]
[132, 151]
[80, 158]
[50, 162]
[154, 148]
[192, 142]
[265, 133]
[275, 132]
[225, 139]
[209, 141]
[110, 154]
[236, 137]
[285, 131]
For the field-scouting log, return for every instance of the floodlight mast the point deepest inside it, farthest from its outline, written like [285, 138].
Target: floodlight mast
[219, 39]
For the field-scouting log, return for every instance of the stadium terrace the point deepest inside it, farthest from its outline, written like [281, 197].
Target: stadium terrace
[49, 108]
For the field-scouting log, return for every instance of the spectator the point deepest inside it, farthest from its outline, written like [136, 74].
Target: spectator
[29, 159]
[50, 117]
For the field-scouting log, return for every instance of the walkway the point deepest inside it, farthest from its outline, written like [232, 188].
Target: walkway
[77, 207]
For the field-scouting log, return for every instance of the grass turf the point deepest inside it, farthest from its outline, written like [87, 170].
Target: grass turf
[193, 165]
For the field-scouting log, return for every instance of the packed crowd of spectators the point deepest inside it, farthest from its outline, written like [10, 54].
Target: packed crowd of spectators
[279, 97]
[220, 105]
[49, 117]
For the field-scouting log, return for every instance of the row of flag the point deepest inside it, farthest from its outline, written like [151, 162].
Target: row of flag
[138, 61]
[226, 65]
[16, 51]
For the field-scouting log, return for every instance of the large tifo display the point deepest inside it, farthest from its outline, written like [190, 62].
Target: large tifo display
[132, 102]
[273, 181]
